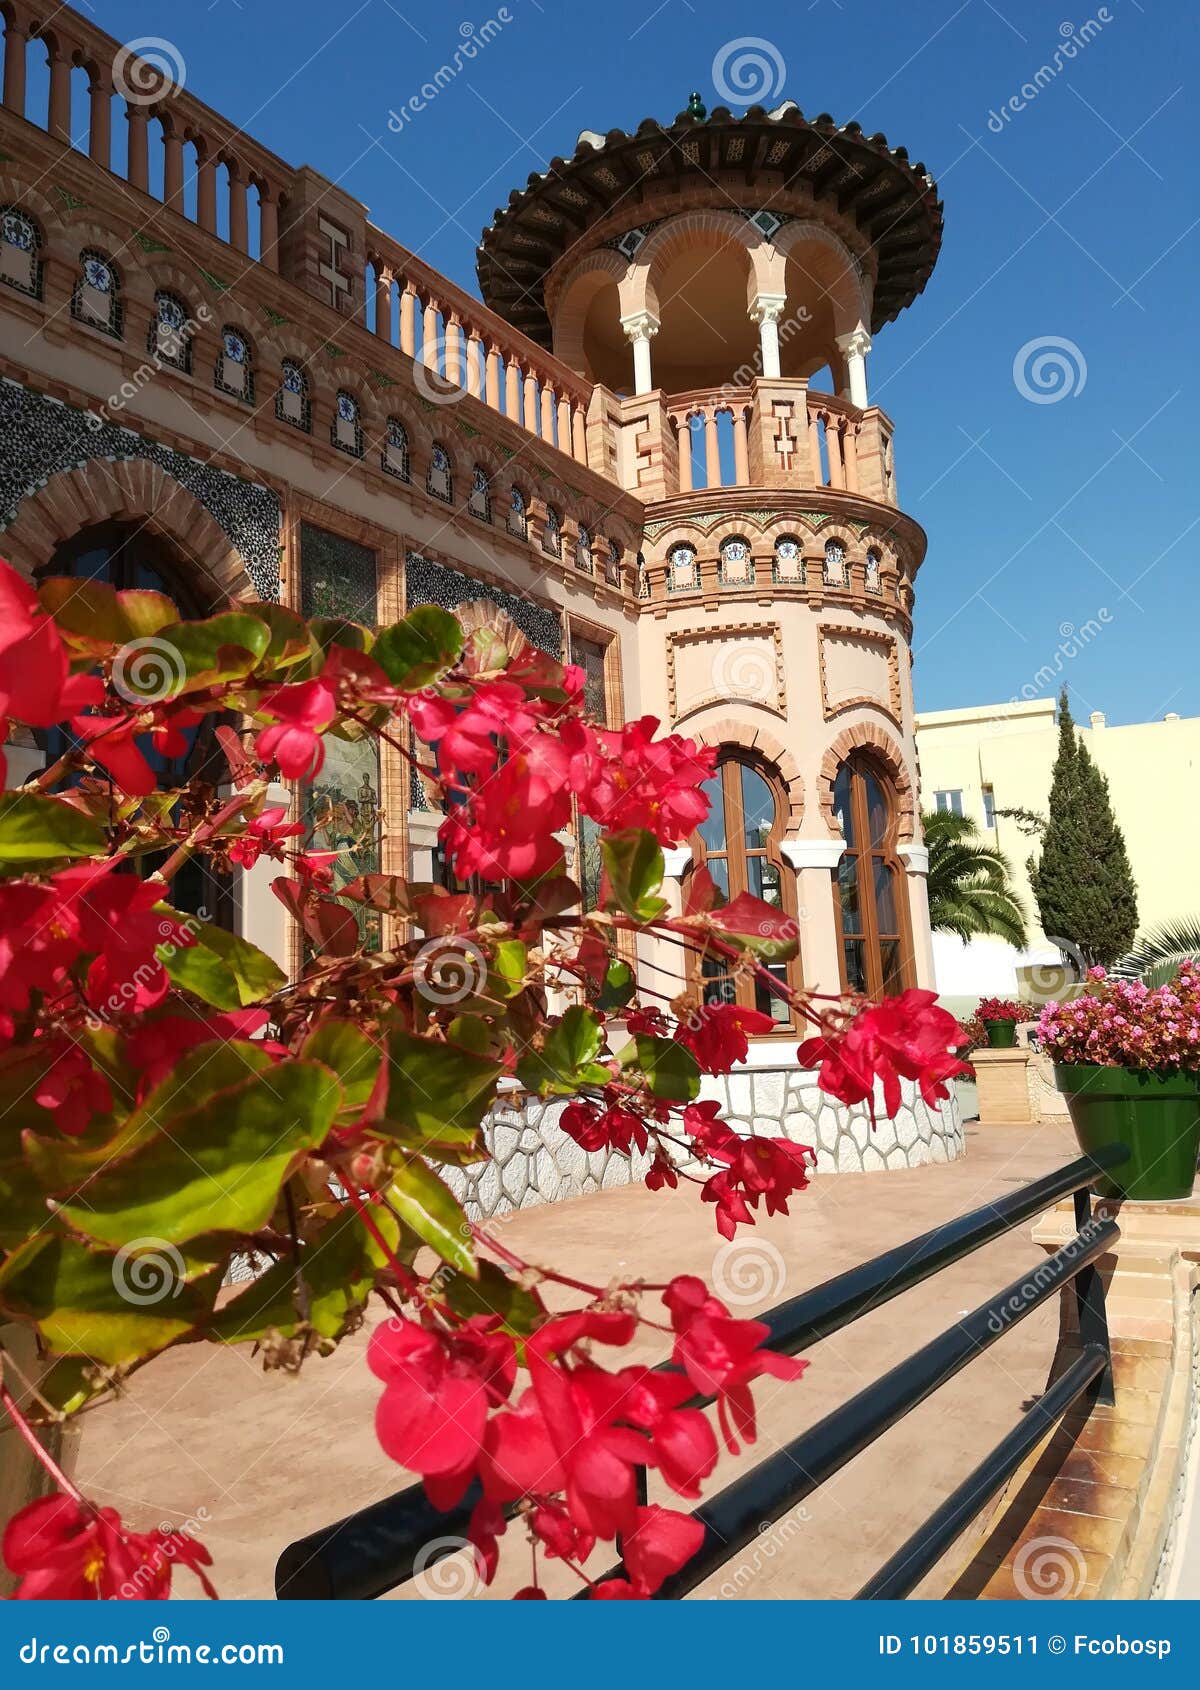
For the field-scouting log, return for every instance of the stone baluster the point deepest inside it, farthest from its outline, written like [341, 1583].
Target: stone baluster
[58, 114]
[833, 445]
[453, 349]
[512, 390]
[814, 445]
[850, 455]
[578, 435]
[383, 300]
[139, 156]
[491, 383]
[564, 423]
[741, 450]
[683, 432]
[16, 43]
[530, 395]
[268, 229]
[239, 234]
[408, 320]
[548, 413]
[429, 334]
[206, 186]
[474, 360]
[172, 143]
[100, 115]
[712, 448]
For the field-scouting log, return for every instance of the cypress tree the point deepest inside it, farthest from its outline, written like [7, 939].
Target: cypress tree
[1082, 882]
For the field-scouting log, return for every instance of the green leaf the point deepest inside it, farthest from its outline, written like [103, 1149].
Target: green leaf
[670, 1070]
[619, 986]
[494, 1293]
[188, 655]
[766, 931]
[567, 1059]
[353, 1056]
[329, 631]
[433, 1087]
[222, 969]
[413, 653]
[114, 1308]
[425, 1203]
[35, 829]
[338, 1267]
[216, 1168]
[509, 965]
[633, 866]
[99, 616]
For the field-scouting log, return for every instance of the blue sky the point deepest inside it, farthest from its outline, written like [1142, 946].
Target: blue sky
[1075, 220]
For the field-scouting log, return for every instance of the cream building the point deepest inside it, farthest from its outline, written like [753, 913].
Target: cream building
[999, 757]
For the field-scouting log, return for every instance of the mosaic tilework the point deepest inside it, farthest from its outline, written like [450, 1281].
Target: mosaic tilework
[41, 437]
[427, 582]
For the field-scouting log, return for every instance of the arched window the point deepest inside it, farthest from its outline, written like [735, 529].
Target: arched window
[480, 501]
[868, 885]
[292, 402]
[683, 573]
[583, 549]
[738, 842]
[835, 563]
[395, 458]
[440, 480]
[871, 575]
[234, 370]
[612, 564]
[170, 338]
[552, 533]
[97, 296]
[125, 556]
[788, 564]
[736, 564]
[518, 514]
[346, 429]
[20, 244]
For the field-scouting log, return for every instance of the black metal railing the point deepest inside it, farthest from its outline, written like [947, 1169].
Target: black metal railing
[375, 1549]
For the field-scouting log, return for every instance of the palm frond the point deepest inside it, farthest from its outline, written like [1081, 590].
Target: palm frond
[970, 893]
[1161, 951]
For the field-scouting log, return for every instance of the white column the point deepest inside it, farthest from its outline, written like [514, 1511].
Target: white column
[264, 921]
[640, 328]
[766, 311]
[854, 347]
[916, 863]
[814, 861]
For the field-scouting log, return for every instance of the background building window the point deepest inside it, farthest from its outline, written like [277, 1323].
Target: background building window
[868, 884]
[738, 843]
[949, 802]
[989, 807]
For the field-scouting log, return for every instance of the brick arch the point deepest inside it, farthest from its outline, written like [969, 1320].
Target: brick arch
[869, 737]
[692, 230]
[763, 744]
[573, 301]
[126, 489]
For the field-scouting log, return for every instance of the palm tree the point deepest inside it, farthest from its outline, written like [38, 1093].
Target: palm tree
[969, 888]
[1156, 958]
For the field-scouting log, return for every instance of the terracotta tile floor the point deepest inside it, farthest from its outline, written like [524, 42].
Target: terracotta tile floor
[270, 1458]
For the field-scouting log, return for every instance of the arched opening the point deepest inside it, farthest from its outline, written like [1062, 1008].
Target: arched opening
[129, 556]
[705, 338]
[875, 951]
[739, 844]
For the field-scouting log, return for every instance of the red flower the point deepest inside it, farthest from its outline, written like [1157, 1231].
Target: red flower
[112, 742]
[154, 1047]
[718, 1035]
[70, 1088]
[720, 1355]
[304, 710]
[439, 1388]
[684, 1443]
[266, 832]
[507, 826]
[660, 1543]
[35, 685]
[627, 778]
[63, 1550]
[907, 1037]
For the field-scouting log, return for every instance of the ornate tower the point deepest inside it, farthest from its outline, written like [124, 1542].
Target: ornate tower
[719, 280]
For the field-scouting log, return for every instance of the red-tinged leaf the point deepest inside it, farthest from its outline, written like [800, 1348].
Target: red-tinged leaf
[328, 925]
[439, 911]
[755, 926]
[241, 766]
[385, 892]
[702, 894]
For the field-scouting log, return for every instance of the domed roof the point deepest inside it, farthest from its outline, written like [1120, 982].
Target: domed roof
[894, 203]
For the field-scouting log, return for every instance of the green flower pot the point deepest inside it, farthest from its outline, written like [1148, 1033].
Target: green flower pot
[1156, 1115]
[1001, 1035]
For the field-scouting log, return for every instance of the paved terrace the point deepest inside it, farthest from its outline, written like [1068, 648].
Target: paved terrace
[271, 1458]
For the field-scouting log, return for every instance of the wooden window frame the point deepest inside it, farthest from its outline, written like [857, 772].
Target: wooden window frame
[860, 764]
